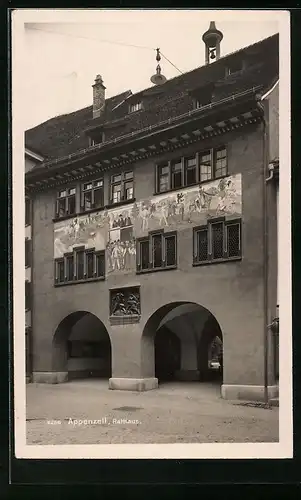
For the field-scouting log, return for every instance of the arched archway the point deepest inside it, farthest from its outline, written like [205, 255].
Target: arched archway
[179, 342]
[82, 347]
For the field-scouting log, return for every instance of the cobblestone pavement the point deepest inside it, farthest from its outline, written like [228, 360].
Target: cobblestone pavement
[86, 412]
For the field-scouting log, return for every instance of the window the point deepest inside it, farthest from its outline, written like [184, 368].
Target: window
[202, 96]
[187, 171]
[92, 195]
[190, 171]
[234, 66]
[156, 252]
[69, 267]
[27, 295]
[27, 252]
[90, 264]
[27, 211]
[66, 202]
[220, 166]
[176, 174]
[137, 106]
[219, 240]
[144, 254]
[122, 187]
[233, 239]
[213, 164]
[163, 178]
[205, 161]
[79, 266]
[97, 139]
[100, 264]
[60, 270]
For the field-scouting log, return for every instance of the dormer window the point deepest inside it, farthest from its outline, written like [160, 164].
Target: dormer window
[97, 139]
[136, 106]
[234, 67]
[202, 96]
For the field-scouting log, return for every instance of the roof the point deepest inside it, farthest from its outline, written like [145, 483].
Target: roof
[66, 134]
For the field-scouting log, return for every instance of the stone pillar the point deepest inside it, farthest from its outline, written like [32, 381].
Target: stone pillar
[128, 370]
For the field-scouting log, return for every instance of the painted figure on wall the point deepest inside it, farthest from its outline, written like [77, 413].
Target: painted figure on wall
[121, 255]
[116, 229]
[89, 231]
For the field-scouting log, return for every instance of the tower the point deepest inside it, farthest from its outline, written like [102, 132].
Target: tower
[212, 39]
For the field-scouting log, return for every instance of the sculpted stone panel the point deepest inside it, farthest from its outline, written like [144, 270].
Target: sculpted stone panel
[116, 229]
[125, 302]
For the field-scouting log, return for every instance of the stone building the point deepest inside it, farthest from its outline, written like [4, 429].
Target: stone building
[155, 230]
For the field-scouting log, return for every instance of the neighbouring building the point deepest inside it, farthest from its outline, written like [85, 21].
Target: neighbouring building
[155, 230]
[32, 159]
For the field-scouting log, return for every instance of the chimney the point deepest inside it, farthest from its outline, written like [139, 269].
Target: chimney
[99, 96]
[212, 39]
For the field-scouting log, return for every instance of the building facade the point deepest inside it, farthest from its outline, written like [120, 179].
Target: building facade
[155, 230]
[31, 160]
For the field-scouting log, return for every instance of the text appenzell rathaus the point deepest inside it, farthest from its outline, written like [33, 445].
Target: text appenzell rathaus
[154, 231]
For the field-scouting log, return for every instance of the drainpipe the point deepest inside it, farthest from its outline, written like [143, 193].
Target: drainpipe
[265, 246]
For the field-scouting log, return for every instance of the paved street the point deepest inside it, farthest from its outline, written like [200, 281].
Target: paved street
[86, 412]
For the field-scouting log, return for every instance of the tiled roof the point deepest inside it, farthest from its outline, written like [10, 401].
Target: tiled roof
[65, 134]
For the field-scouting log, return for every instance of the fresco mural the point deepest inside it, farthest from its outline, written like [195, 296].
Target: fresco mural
[89, 231]
[116, 229]
[121, 245]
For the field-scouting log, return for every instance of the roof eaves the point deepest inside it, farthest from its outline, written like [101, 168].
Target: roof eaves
[148, 130]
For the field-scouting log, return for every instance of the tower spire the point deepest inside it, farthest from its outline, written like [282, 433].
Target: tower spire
[212, 39]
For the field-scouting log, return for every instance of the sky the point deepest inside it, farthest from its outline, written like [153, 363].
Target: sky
[62, 55]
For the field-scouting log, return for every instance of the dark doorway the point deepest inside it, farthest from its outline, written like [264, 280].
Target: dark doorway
[167, 354]
[176, 344]
[82, 347]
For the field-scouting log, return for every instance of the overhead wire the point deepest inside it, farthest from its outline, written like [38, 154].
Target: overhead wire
[104, 41]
